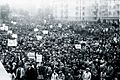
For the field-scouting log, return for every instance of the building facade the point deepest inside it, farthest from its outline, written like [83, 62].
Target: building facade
[85, 10]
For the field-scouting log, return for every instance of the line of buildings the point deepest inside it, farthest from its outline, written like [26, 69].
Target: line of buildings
[76, 10]
[81, 10]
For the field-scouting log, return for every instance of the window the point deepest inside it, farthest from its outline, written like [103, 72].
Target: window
[83, 13]
[83, 8]
[83, 18]
[76, 13]
[110, 13]
[77, 8]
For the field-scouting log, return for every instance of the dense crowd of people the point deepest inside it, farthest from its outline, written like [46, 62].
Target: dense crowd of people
[97, 58]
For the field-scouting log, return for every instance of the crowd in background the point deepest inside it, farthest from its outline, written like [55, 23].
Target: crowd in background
[97, 59]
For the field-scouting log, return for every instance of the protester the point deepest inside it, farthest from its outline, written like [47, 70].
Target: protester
[98, 49]
[86, 74]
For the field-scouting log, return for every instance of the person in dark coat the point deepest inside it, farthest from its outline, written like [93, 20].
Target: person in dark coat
[31, 73]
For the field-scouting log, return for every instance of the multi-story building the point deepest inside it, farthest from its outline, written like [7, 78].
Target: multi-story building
[109, 9]
[82, 10]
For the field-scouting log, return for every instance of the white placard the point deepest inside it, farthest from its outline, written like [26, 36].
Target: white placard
[60, 25]
[96, 43]
[106, 29]
[3, 25]
[12, 42]
[6, 28]
[36, 29]
[45, 31]
[31, 55]
[14, 35]
[9, 32]
[39, 37]
[14, 23]
[115, 39]
[45, 21]
[83, 42]
[39, 58]
[78, 46]
[2, 28]
[51, 26]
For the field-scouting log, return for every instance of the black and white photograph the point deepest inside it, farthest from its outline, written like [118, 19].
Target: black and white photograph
[59, 39]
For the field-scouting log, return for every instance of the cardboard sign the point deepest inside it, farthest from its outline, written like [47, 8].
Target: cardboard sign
[12, 42]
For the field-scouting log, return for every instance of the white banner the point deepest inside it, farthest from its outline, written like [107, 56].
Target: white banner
[39, 58]
[78, 46]
[12, 42]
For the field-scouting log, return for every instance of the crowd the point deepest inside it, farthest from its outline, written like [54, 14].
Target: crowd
[97, 58]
